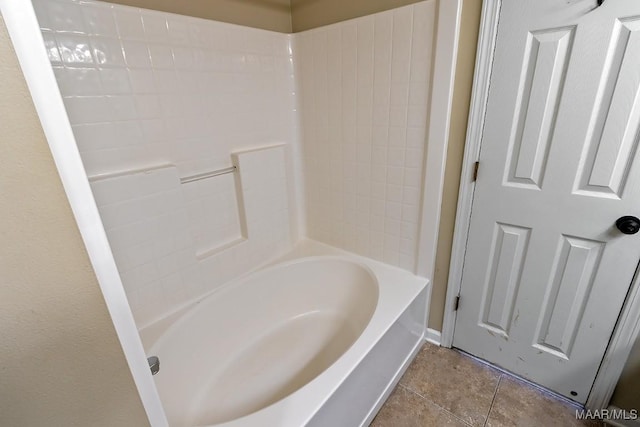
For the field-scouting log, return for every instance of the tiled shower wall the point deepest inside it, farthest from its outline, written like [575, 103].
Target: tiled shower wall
[155, 97]
[143, 87]
[365, 88]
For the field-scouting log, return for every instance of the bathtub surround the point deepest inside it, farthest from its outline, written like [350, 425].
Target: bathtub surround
[304, 15]
[163, 258]
[145, 217]
[311, 14]
[365, 88]
[144, 87]
[155, 97]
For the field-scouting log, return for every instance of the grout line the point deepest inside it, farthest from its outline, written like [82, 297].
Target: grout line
[548, 393]
[434, 404]
[416, 393]
[495, 393]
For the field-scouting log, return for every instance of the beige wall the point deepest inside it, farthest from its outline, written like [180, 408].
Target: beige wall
[277, 15]
[272, 15]
[307, 14]
[60, 360]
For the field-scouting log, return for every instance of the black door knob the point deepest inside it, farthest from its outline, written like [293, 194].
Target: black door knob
[628, 224]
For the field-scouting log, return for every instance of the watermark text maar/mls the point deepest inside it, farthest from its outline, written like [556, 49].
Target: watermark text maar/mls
[607, 414]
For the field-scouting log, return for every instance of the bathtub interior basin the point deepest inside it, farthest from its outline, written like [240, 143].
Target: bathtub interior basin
[262, 338]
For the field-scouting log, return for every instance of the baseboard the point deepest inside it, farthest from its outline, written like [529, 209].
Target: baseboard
[621, 423]
[433, 336]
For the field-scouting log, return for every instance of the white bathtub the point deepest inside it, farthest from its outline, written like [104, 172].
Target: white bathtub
[319, 338]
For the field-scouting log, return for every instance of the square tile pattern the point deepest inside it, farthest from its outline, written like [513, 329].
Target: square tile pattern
[444, 387]
[364, 92]
[153, 97]
[159, 252]
[144, 87]
[347, 104]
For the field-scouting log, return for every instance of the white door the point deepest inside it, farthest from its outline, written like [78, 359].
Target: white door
[546, 269]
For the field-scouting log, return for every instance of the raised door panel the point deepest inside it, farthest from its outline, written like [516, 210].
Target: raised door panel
[543, 74]
[507, 257]
[568, 291]
[615, 125]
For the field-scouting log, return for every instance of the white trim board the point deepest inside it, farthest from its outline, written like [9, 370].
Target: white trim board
[628, 327]
[433, 336]
[24, 31]
[444, 70]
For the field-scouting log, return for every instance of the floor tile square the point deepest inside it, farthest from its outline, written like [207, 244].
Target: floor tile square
[453, 381]
[406, 409]
[523, 405]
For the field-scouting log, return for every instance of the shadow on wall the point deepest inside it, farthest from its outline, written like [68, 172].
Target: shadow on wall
[308, 14]
[378, 4]
[277, 5]
[274, 15]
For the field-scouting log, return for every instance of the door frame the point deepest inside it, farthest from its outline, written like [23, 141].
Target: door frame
[627, 329]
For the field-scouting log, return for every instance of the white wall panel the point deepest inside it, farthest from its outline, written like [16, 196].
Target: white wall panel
[364, 87]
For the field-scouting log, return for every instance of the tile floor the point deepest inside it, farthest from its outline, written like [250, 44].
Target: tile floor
[444, 387]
